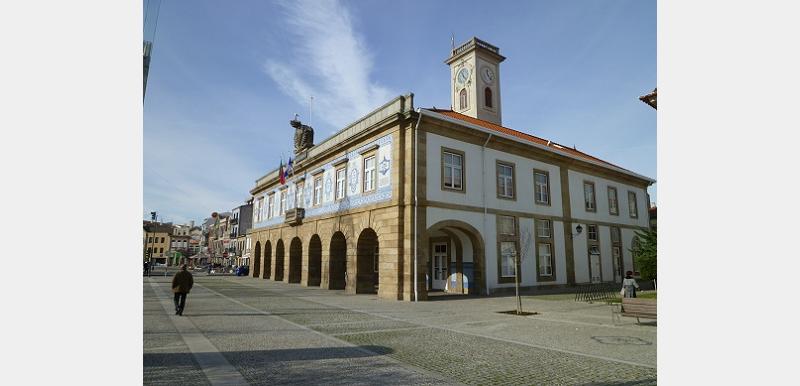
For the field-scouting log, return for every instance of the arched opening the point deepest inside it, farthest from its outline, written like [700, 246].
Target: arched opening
[487, 96]
[295, 260]
[337, 265]
[455, 259]
[257, 260]
[462, 98]
[315, 261]
[367, 262]
[278, 261]
[267, 260]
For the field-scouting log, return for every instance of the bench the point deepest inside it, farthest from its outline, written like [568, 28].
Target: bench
[636, 308]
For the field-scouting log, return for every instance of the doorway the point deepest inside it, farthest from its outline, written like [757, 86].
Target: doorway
[594, 264]
[439, 262]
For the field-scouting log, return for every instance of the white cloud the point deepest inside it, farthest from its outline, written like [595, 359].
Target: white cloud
[330, 62]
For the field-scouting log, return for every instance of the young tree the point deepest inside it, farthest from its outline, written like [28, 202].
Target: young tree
[644, 253]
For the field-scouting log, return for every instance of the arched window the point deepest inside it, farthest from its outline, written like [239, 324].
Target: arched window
[462, 96]
[487, 96]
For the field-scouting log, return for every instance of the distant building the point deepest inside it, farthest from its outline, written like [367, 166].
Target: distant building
[157, 239]
[653, 210]
[241, 222]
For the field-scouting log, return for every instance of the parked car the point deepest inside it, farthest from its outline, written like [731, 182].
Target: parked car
[243, 270]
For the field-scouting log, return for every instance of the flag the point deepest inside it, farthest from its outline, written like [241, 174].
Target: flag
[289, 168]
[280, 173]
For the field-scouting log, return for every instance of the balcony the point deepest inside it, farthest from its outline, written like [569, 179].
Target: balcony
[294, 216]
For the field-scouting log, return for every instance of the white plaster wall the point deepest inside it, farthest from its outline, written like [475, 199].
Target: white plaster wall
[466, 246]
[560, 253]
[601, 198]
[581, 253]
[527, 252]
[606, 263]
[476, 173]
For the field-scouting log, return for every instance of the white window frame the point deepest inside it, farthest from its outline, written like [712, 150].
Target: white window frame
[370, 174]
[545, 269]
[341, 183]
[613, 205]
[298, 195]
[541, 191]
[589, 232]
[452, 167]
[271, 206]
[505, 260]
[282, 209]
[589, 206]
[505, 183]
[633, 211]
[317, 191]
[540, 228]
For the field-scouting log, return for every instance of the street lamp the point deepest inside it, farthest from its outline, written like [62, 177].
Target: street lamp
[578, 229]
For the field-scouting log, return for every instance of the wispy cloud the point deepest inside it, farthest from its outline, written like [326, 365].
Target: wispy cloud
[190, 182]
[330, 62]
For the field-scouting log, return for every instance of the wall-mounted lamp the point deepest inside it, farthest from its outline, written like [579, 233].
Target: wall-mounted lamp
[578, 229]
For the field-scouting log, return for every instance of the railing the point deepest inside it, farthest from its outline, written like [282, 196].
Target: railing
[476, 42]
[597, 292]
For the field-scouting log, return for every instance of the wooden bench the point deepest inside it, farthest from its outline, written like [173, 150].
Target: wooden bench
[636, 308]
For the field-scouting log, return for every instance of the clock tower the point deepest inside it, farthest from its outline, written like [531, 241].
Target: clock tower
[475, 80]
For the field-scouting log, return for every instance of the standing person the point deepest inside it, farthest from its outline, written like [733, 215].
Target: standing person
[629, 285]
[181, 285]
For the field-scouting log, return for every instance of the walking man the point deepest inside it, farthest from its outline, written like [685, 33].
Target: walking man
[181, 285]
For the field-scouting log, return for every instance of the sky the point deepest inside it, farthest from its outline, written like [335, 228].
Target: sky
[226, 77]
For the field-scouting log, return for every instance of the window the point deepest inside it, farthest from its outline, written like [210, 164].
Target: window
[298, 195]
[543, 228]
[462, 99]
[260, 206]
[452, 170]
[150, 239]
[613, 208]
[592, 232]
[541, 187]
[271, 203]
[369, 173]
[317, 191]
[615, 235]
[505, 180]
[150, 250]
[375, 259]
[545, 259]
[282, 208]
[588, 196]
[161, 250]
[508, 253]
[341, 183]
[487, 97]
[632, 205]
[507, 225]
[162, 239]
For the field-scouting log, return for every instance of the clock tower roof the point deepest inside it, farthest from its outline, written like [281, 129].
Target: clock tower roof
[475, 44]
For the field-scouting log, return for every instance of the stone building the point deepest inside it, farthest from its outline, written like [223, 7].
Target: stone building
[405, 201]
[157, 240]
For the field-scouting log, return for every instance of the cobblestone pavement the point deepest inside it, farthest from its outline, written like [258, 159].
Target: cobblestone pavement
[278, 333]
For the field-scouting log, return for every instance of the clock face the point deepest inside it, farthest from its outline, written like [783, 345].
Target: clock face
[488, 75]
[463, 75]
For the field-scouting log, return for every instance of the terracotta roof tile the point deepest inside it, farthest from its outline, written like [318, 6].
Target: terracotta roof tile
[521, 135]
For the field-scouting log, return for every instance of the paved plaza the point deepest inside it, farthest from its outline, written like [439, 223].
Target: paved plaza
[244, 330]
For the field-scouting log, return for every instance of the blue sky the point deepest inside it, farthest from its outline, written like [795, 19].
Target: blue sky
[226, 78]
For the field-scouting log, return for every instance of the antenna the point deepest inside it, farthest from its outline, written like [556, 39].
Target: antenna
[452, 41]
[310, 103]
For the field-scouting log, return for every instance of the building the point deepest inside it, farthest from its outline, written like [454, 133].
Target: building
[241, 222]
[157, 240]
[650, 98]
[404, 201]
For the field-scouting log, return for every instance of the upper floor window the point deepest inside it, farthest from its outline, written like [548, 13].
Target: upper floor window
[588, 196]
[317, 190]
[462, 99]
[615, 235]
[487, 96]
[545, 259]
[541, 187]
[298, 195]
[370, 173]
[508, 253]
[632, 205]
[613, 208]
[453, 170]
[271, 206]
[283, 203]
[505, 180]
[341, 183]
